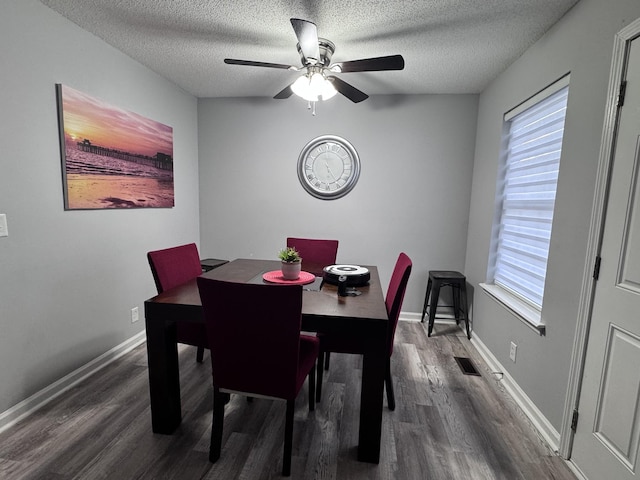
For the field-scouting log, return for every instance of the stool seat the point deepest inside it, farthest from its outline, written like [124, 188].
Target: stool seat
[458, 284]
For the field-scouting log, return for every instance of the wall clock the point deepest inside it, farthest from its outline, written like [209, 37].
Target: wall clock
[328, 167]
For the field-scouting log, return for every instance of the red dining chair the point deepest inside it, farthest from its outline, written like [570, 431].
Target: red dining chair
[393, 301]
[171, 267]
[257, 349]
[316, 254]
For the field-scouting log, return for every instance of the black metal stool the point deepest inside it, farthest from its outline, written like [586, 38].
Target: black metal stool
[458, 284]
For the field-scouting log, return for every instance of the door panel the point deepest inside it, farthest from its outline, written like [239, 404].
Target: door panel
[607, 438]
[616, 423]
[630, 262]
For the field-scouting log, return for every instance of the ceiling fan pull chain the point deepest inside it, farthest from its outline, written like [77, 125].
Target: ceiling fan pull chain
[311, 106]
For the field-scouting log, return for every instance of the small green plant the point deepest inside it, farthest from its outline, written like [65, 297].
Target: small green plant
[289, 255]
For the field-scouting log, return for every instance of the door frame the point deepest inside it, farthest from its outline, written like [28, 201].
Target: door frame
[596, 229]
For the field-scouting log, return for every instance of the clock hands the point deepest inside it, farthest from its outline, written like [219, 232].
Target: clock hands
[330, 172]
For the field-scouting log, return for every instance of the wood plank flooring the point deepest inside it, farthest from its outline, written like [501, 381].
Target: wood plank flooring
[446, 425]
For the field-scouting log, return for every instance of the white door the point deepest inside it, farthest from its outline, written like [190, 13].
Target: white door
[607, 439]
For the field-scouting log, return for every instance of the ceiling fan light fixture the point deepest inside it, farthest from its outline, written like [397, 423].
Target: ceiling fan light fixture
[302, 88]
[316, 83]
[328, 90]
[313, 87]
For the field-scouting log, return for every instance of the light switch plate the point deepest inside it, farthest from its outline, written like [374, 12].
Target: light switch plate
[4, 232]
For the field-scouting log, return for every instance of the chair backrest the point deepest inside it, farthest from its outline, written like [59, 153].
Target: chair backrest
[254, 334]
[395, 294]
[316, 253]
[173, 266]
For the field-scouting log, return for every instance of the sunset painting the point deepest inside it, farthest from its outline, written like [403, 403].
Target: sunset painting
[112, 158]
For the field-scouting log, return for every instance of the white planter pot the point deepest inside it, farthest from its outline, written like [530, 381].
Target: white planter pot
[291, 270]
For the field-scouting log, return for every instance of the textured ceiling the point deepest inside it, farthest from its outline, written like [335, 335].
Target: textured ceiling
[449, 46]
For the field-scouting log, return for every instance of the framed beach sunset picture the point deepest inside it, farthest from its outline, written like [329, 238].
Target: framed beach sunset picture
[111, 157]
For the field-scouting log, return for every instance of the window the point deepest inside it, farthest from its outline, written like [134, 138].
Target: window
[526, 196]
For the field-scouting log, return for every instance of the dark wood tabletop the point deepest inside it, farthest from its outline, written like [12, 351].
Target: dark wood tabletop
[320, 309]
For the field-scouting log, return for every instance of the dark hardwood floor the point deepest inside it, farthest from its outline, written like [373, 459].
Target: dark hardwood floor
[446, 425]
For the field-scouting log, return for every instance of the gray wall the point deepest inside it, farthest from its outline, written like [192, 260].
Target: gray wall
[413, 194]
[581, 43]
[69, 279]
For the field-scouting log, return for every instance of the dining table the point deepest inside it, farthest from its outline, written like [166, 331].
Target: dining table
[361, 316]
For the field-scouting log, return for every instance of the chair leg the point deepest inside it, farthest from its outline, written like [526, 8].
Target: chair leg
[319, 376]
[288, 439]
[219, 400]
[312, 389]
[388, 383]
[200, 354]
[326, 361]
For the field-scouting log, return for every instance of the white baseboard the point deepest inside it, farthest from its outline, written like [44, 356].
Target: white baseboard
[410, 317]
[540, 422]
[19, 411]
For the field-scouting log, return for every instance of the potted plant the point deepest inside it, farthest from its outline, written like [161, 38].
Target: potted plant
[291, 263]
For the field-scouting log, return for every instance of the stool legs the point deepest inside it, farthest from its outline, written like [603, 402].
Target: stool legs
[426, 300]
[435, 294]
[460, 306]
[456, 301]
[463, 298]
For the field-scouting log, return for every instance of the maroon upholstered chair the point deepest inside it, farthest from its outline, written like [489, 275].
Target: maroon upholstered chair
[316, 254]
[171, 267]
[393, 301]
[257, 349]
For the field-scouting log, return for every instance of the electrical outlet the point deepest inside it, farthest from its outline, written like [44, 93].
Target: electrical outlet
[4, 232]
[512, 352]
[134, 315]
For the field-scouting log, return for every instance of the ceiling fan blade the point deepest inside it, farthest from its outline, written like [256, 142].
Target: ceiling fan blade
[349, 91]
[307, 34]
[233, 61]
[286, 92]
[376, 64]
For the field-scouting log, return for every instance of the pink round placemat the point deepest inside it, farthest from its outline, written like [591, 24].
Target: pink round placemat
[275, 276]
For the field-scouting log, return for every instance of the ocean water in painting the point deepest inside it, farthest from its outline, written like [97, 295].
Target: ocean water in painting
[99, 181]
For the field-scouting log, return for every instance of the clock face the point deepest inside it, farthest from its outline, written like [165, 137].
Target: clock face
[328, 167]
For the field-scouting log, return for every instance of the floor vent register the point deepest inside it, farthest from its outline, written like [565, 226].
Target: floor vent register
[467, 366]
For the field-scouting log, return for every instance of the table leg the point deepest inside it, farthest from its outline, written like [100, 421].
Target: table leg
[164, 377]
[371, 401]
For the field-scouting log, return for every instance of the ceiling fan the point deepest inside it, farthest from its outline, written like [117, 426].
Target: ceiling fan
[318, 80]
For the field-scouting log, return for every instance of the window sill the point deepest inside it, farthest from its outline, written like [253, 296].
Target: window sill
[525, 313]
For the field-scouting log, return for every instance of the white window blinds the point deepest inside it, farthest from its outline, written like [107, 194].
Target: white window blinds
[533, 146]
